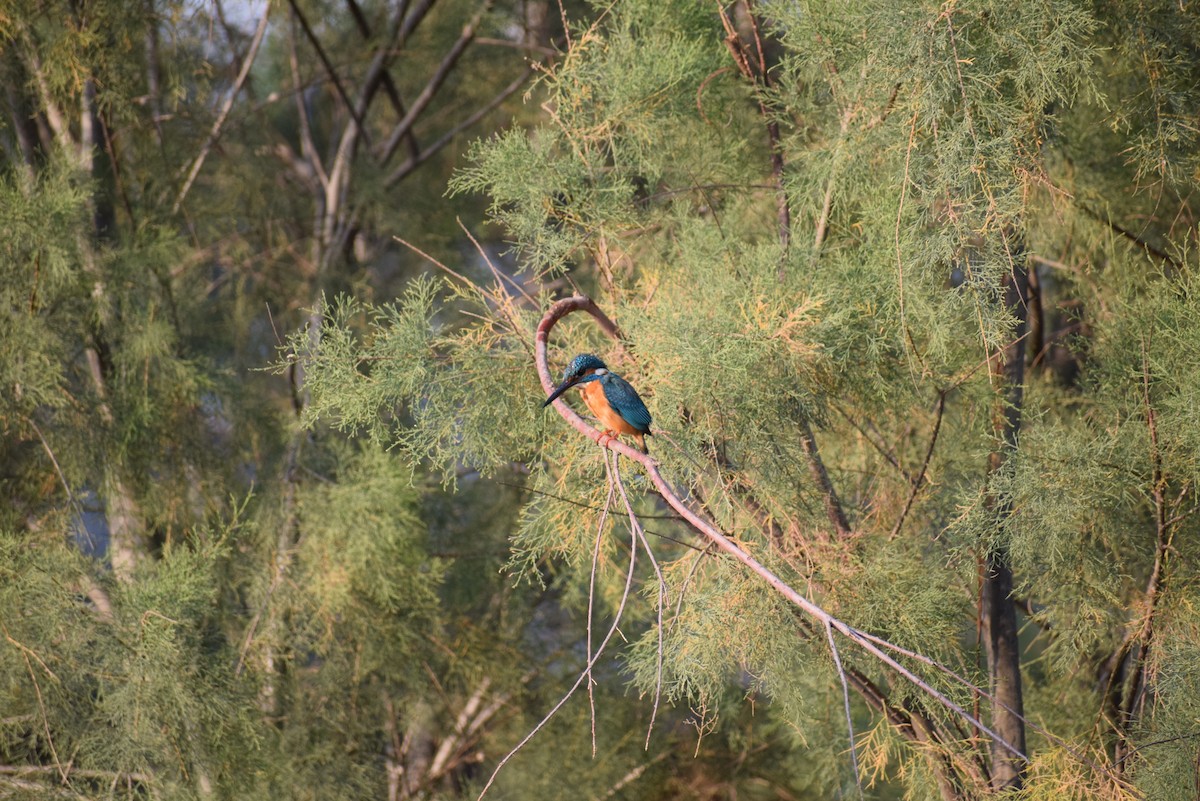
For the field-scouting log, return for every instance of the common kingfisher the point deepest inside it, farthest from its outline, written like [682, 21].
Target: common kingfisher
[615, 403]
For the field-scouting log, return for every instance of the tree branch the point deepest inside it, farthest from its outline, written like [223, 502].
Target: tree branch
[389, 86]
[998, 609]
[417, 159]
[761, 78]
[1130, 236]
[709, 530]
[329, 69]
[434, 84]
[1131, 706]
[829, 496]
[920, 479]
[215, 133]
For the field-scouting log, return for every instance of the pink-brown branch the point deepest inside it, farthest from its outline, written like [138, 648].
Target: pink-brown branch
[710, 530]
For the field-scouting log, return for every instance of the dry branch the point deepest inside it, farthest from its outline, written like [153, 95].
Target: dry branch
[389, 85]
[639, 534]
[757, 73]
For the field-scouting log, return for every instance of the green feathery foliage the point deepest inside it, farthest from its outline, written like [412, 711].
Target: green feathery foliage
[929, 155]
[370, 571]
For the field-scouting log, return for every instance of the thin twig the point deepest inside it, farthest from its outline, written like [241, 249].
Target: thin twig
[503, 298]
[838, 149]
[920, 480]
[562, 12]
[584, 674]
[837, 663]
[37, 690]
[83, 773]
[1148, 248]
[912, 135]
[635, 774]
[1143, 746]
[881, 447]
[71, 499]
[215, 133]
[500, 275]
[583, 505]
[640, 535]
[696, 562]
[434, 261]
[592, 597]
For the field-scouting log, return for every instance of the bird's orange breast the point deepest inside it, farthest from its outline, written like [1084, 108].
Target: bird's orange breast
[593, 396]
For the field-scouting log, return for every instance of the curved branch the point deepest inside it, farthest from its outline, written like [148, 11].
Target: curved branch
[709, 530]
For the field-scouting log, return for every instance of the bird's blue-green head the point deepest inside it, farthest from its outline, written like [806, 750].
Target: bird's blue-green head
[581, 365]
[584, 367]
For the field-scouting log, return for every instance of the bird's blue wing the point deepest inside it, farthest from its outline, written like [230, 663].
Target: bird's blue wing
[624, 398]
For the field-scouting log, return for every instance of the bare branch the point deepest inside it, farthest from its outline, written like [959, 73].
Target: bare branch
[71, 499]
[634, 775]
[761, 78]
[215, 133]
[1138, 641]
[837, 663]
[1131, 237]
[829, 496]
[37, 689]
[434, 84]
[416, 160]
[325, 62]
[585, 674]
[640, 536]
[389, 86]
[335, 224]
[54, 115]
[310, 166]
[592, 596]
[448, 745]
[920, 479]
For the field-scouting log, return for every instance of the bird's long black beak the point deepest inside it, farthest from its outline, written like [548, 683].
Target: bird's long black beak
[563, 387]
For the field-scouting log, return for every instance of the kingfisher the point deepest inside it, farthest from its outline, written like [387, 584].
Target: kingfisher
[615, 403]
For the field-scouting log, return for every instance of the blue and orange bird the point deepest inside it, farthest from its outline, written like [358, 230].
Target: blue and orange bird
[615, 403]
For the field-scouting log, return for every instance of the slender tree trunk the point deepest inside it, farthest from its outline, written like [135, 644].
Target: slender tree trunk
[1004, 668]
[999, 612]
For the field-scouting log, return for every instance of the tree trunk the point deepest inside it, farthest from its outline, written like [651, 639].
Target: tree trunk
[999, 613]
[1004, 669]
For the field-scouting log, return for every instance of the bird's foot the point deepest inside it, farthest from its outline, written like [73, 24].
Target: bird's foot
[605, 438]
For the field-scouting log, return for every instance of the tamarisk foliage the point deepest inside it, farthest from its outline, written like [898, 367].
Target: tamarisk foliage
[908, 288]
[199, 598]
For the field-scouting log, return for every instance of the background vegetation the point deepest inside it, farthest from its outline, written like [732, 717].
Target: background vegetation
[907, 288]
